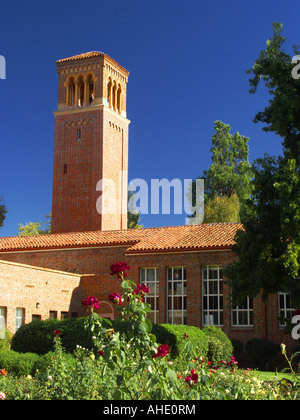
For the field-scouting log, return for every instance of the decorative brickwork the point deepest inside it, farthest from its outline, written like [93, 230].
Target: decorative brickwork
[90, 144]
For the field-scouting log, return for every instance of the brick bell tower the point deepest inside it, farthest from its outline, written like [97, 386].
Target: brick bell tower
[90, 145]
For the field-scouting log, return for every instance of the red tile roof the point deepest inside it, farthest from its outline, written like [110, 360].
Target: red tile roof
[81, 56]
[172, 238]
[89, 55]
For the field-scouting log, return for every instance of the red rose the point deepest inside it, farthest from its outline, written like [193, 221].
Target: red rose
[119, 269]
[162, 351]
[116, 298]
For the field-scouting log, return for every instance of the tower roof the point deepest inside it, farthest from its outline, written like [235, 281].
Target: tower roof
[90, 54]
[81, 56]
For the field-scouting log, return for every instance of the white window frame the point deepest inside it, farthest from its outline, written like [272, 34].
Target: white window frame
[245, 312]
[2, 322]
[176, 295]
[285, 309]
[19, 318]
[212, 295]
[153, 283]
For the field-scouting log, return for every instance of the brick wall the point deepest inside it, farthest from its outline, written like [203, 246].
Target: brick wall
[98, 260]
[38, 291]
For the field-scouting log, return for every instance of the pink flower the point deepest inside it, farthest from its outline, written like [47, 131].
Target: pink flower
[116, 298]
[141, 289]
[2, 396]
[119, 269]
[162, 351]
[91, 301]
[192, 379]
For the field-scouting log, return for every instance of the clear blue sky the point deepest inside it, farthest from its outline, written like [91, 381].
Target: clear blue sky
[187, 61]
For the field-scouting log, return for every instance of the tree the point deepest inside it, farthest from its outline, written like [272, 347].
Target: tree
[3, 211]
[230, 171]
[133, 216]
[222, 209]
[268, 247]
[227, 181]
[35, 228]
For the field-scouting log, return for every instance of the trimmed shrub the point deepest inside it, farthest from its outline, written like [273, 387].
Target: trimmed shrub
[38, 336]
[5, 342]
[18, 364]
[46, 360]
[238, 347]
[261, 351]
[219, 345]
[177, 335]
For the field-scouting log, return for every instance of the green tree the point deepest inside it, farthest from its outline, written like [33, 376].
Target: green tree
[222, 209]
[227, 181]
[3, 211]
[268, 247]
[230, 171]
[133, 216]
[36, 228]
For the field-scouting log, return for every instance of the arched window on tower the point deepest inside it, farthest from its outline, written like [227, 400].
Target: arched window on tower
[71, 92]
[114, 96]
[119, 92]
[80, 91]
[109, 88]
[90, 89]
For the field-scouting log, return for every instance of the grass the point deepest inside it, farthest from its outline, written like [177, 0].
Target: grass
[269, 376]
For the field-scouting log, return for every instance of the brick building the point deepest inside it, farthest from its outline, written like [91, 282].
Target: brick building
[49, 275]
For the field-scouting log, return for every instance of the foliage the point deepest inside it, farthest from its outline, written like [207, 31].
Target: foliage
[227, 181]
[35, 228]
[3, 211]
[133, 366]
[37, 336]
[268, 247]
[5, 342]
[18, 363]
[133, 216]
[261, 352]
[222, 209]
[219, 345]
[274, 67]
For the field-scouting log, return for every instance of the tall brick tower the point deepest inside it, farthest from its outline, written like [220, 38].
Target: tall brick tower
[90, 145]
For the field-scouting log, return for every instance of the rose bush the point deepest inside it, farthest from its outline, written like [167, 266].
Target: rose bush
[134, 366]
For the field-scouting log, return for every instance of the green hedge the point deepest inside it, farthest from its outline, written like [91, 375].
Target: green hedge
[18, 364]
[219, 345]
[38, 337]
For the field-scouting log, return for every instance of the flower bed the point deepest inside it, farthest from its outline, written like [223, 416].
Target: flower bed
[134, 366]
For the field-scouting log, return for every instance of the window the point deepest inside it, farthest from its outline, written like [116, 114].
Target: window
[36, 317]
[53, 314]
[80, 91]
[71, 92]
[286, 310]
[149, 276]
[65, 168]
[243, 315]
[19, 318]
[176, 306]
[79, 134]
[64, 315]
[212, 295]
[2, 322]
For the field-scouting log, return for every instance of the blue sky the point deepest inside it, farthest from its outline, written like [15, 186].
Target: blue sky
[187, 61]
